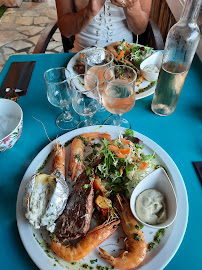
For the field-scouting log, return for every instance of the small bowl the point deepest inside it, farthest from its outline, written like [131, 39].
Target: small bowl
[160, 181]
[11, 121]
[156, 60]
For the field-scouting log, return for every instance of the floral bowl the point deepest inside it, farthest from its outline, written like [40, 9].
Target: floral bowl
[11, 122]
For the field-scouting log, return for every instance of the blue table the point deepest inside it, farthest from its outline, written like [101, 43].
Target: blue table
[179, 134]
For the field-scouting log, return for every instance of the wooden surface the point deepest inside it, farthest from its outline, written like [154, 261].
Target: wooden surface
[162, 15]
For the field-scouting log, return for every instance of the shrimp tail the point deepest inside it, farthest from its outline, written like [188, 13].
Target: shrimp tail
[59, 158]
[106, 256]
[110, 259]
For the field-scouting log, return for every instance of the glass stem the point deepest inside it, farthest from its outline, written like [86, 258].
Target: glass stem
[117, 119]
[67, 114]
[88, 120]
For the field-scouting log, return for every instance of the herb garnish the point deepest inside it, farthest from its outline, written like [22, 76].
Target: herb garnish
[137, 227]
[141, 90]
[137, 237]
[159, 235]
[157, 238]
[83, 139]
[140, 225]
[78, 157]
[93, 261]
[88, 170]
[44, 163]
[150, 246]
[68, 142]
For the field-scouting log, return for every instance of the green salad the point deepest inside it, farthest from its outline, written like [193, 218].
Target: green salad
[132, 53]
[121, 163]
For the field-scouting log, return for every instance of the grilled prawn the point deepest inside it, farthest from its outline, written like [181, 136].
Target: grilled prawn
[92, 239]
[76, 165]
[135, 243]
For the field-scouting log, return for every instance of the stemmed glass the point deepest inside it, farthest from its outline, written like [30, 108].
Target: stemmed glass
[59, 95]
[86, 99]
[119, 93]
[97, 60]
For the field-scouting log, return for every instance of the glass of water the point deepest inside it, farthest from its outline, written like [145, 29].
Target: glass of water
[97, 60]
[59, 95]
[86, 99]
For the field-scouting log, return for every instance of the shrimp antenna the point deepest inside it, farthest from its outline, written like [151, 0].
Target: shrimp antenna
[43, 127]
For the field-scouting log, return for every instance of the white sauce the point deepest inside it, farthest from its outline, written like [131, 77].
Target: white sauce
[151, 68]
[150, 207]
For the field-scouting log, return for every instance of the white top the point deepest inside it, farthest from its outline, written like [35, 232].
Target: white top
[108, 26]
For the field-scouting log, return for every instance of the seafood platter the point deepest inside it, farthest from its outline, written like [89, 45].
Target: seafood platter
[132, 55]
[74, 208]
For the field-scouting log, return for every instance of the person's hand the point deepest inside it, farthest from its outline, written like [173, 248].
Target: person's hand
[123, 3]
[95, 6]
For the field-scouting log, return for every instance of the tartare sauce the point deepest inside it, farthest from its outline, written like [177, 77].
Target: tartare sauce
[151, 68]
[150, 207]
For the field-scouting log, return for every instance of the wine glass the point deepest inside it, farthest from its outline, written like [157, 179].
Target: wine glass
[119, 93]
[86, 99]
[59, 95]
[97, 60]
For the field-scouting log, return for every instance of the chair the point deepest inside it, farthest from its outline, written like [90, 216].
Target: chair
[151, 37]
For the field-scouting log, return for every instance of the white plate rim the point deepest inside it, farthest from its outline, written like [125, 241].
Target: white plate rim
[173, 243]
[71, 62]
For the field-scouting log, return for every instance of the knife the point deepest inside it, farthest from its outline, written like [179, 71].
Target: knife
[198, 166]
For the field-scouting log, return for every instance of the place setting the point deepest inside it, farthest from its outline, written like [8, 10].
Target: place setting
[88, 158]
[131, 177]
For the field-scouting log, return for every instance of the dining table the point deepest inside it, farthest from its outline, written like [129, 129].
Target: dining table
[179, 134]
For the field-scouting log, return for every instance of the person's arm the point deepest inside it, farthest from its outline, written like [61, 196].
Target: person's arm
[137, 13]
[71, 23]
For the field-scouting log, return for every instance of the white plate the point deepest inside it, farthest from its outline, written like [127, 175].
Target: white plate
[144, 84]
[157, 259]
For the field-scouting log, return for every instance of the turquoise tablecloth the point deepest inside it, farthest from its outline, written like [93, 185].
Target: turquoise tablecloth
[179, 134]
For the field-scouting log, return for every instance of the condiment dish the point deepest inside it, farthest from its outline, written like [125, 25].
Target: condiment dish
[154, 60]
[160, 181]
[11, 121]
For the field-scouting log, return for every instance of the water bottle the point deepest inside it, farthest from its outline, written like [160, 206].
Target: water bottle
[180, 47]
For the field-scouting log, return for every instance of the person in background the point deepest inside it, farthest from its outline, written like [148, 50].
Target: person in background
[102, 22]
